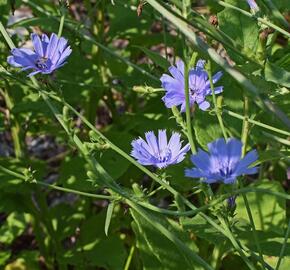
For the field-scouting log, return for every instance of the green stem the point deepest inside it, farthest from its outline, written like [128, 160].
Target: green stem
[259, 19]
[188, 113]
[228, 234]
[179, 120]
[238, 116]
[6, 36]
[235, 243]
[15, 129]
[256, 239]
[275, 11]
[12, 173]
[61, 24]
[283, 247]
[129, 259]
[246, 126]
[217, 110]
[81, 193]
[277, 139]
[244, 138]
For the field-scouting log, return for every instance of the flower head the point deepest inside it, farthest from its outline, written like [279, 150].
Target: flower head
[199, 86]
[253, 5]
[223, 163]
[49, 54]
[157, 151]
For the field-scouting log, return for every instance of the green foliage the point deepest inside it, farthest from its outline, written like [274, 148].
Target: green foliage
[71, 195]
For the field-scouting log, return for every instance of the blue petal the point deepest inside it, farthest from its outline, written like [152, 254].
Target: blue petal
[37, 44]
[230, 180]
[176, 73]
[244, 163]
[52, 46]
[64, 56]
[201, 160]
[218, 148]
[194, 173]
[162, 139]
[217, 76]
[174, 144]
[173, 99]
[180, 66]
[204, 105]
[152, 142]
[182, 152]
[200, 64]
[234, 151]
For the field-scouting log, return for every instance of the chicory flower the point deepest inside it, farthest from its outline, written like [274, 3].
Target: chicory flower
[223, 163]
[49, 54]
[199, 86]
[158, 151]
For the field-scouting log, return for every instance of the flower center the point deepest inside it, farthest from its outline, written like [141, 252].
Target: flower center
[164, 155]
[225, 172]
[41, 63]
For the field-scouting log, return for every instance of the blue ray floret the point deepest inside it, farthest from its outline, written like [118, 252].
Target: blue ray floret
[199, 86]
[157, 151]
[49, 54]
[223, 163]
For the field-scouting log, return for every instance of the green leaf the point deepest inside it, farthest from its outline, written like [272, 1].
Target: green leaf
[240, 28]
[269, 212]
[94, 248]
[206, 128]
[163, 244]
[4, 256]
[155, 57]
[276, 74]
[109, 216]
[12, 228]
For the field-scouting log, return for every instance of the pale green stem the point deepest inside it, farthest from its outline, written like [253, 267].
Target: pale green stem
[244, 137]
[259, 19]
[276, 13]
[6, 36]
[188, 113]
[155, 208]
[217, 110]
[8, 101]
[68, 190]
[238, 116]
[283, 247]
[61, 24]
[129, 259]
[15, 129]
[246, 126]
[179, 120]
[277, 139]
[236, 245]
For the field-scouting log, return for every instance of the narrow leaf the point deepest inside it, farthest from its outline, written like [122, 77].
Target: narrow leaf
[109, 216]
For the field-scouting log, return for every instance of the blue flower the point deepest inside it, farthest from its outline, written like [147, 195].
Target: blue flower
[253, 5]
[199, 86]
[157, 151]
[223, 163]
[48, 55]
